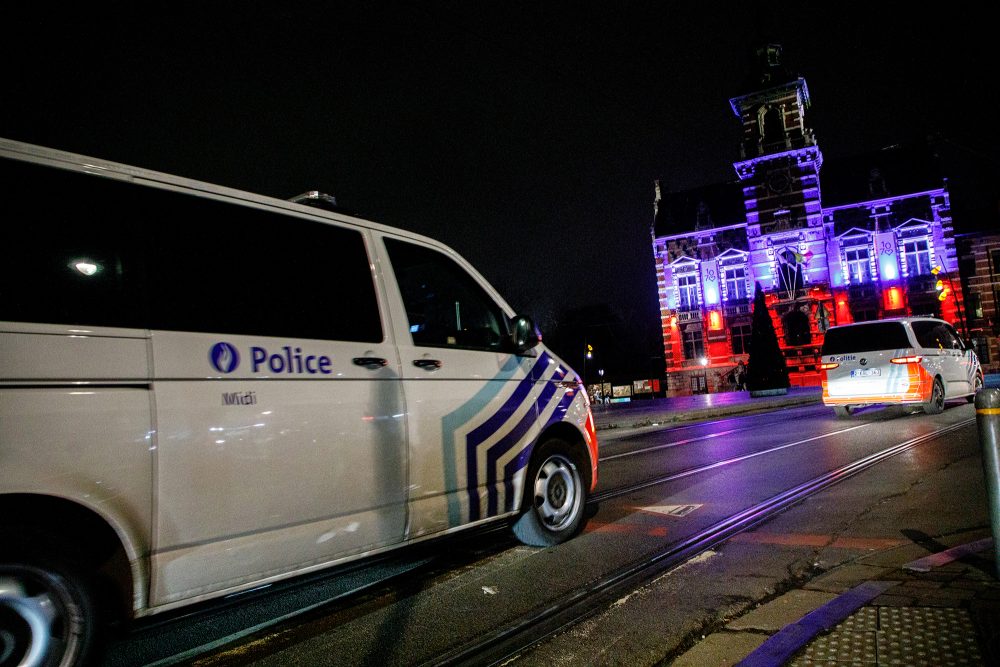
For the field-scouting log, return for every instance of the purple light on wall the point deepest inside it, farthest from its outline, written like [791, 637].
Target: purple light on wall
[887, 267]
[711, 295]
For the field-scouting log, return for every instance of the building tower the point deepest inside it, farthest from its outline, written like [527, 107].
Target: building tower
[779, 171]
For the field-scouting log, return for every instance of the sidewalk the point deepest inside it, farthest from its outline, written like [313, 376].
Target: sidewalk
[894, 607]
[923, 601]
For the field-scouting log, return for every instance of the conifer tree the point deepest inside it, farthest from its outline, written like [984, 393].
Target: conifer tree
[766, 370]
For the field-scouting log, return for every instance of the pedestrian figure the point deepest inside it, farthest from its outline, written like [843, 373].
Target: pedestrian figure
[741, 376]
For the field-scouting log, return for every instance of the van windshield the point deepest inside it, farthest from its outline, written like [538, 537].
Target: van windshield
[865, 338]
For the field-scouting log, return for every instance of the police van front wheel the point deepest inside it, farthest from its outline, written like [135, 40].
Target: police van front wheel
[554, 496]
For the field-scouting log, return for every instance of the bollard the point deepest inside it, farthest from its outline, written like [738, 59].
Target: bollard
[988, 420]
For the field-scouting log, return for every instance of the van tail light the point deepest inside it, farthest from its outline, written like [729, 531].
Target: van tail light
[829, 366]
[913, 359]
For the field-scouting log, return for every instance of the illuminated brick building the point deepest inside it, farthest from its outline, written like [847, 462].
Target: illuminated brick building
[857, 239]
[980, 268]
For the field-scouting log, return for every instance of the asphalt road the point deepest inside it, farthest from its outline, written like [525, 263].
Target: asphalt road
[657, 487]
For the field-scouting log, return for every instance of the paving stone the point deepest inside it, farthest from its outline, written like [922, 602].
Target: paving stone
[720, 648]
[778, 613]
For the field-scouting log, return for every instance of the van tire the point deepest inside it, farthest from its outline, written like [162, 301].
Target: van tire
[47, 608]
[935, 405]
[976, 386]
[842, 411]
[554, 496]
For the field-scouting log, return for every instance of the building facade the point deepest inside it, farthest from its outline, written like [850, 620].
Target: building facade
[980, 267]
[856, 239]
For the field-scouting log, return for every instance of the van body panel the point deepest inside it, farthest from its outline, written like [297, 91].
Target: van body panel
[305, 454]
[55, 356]
[473, 414]
[90, 445]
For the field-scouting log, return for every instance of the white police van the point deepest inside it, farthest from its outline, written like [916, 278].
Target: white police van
[204, 390]
[908, 360]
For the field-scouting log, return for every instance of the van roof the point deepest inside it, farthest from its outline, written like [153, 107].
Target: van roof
[100, 167]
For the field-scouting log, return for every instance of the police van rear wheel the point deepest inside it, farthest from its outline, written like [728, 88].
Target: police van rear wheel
[935, 405]
[842, 411]
[554, 496]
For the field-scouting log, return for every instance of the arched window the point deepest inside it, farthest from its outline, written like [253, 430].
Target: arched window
[772, 125]
[789, 272]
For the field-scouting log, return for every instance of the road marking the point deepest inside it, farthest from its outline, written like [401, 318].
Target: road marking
[673, 444]
[671, 510]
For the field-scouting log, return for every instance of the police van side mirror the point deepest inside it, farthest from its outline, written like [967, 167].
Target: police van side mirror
[523, 334]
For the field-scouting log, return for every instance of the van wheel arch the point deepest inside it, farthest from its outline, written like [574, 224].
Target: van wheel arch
[556, 485]
[60, 531]
[977, 384]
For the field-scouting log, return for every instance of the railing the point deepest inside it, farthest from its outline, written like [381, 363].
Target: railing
[741, 307]
[689, 315]
[863, 291]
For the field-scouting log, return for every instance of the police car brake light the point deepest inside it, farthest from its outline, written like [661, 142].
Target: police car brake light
[913, 359]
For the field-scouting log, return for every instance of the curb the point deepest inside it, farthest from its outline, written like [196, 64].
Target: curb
[666, 418]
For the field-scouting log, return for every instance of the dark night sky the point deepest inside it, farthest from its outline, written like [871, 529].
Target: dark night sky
[525, 135]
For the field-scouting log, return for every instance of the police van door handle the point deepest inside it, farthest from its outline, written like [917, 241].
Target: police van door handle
[372, 363]
[427, 364]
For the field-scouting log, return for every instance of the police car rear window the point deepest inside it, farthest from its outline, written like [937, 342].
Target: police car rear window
[865, 338]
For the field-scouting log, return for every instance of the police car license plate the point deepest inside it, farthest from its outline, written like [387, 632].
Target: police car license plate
[866, 372]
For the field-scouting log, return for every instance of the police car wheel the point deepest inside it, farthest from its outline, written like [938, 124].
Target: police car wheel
[554, 497]
[976, 387]
[842, 411]
[47, 614]
[935, 405]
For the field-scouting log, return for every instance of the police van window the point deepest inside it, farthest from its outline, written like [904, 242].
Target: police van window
[89, 250]
[935, 335]
[68, 252]
[445, 307]
[865, 338]
[222, 268]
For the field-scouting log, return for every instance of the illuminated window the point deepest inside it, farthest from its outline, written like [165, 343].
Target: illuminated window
[694, 345]
[688, 289]
[858, 265]
[918, 257]
[736, 283]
